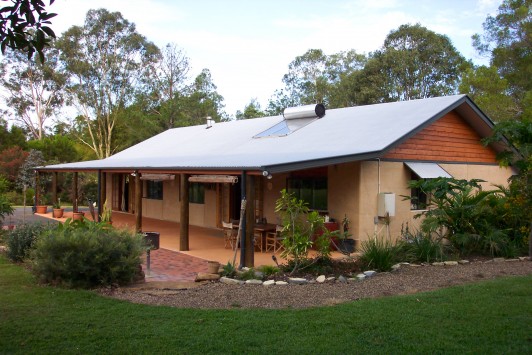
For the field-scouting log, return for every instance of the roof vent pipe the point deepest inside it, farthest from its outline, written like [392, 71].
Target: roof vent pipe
[210, 122]
[307, 111]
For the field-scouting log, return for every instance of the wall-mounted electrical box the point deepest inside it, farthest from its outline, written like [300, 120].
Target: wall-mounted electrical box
[386, 204]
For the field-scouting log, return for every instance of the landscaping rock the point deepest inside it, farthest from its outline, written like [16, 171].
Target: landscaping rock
[253, 282]
[320, 279]
[512, 260]
[230, 281]
[450, 263]
[404, 263]
[297, 281]
[268, 283]
[203, 276]
[524, 258]
[438, 263]
[342, 279]
[396, 267]
[330, 278]
[281, 283]
[498, 260]
[352, 279]
[361, 276]
[463, 262]
[370, 273]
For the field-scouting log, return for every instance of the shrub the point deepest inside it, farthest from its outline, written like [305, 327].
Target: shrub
[419, 246]
[268, 270]
[86, 255]
[5, 208]
[378, 253]
[21, 240]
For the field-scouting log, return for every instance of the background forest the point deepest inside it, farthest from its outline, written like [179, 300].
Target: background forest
[112, 87]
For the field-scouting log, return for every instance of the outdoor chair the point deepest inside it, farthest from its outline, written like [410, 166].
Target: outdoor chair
[257, 241]
[274, 240]
[230, 235]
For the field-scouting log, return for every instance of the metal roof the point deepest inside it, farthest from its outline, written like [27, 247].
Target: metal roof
[345, 134]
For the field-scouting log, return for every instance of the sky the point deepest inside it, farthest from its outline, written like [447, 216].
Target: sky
[248, 45]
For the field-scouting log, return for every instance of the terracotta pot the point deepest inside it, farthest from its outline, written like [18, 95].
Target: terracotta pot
[78, 216]
[213, 266]
[41, 209]
[58, 212]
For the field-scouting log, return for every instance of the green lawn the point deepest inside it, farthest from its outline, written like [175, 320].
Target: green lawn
[488, 317]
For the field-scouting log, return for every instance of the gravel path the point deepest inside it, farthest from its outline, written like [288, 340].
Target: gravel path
[407, 280]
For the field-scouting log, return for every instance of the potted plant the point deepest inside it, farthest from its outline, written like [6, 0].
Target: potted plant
[346, 245]
[57, 210]
[77, 215]
[41, 209]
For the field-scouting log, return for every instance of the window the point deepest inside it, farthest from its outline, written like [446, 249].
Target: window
[418, 198]
[311, 190]
[196, 193]
[154, 190]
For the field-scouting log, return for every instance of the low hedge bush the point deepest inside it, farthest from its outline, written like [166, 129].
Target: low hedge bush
[20, 241]
[86, 255]
[378, 253]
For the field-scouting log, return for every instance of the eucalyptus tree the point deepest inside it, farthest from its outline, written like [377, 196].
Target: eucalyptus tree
[251, 110]
[166, 82]
[507, 42]
[104, 61]
[33, 89]
[414, 63]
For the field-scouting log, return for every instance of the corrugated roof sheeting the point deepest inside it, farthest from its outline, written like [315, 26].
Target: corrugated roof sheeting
[230, 145]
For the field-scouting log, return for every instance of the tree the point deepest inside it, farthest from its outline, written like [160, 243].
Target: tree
[34, 89]
[518, 133]
[26, 174]
[104, 60]
[56, 149]
[10, 161]
[489, 91]
[416, 63]
[12, 136]
[21, 31]
[252, 110]
[166, 80]
[507, 40]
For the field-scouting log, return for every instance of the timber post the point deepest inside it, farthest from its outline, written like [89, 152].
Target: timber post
[249, 252]
[37, 189]
[75, 192]
[184, 213]
[99, 196]
[54, 187]
[138, 202]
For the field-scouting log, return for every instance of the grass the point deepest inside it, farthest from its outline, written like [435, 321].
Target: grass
[488, 317]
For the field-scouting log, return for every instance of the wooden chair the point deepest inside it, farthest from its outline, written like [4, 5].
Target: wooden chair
[230, 235]
[257, 241]
[274, 239]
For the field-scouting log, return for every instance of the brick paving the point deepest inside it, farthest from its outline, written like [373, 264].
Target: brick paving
[168, 265]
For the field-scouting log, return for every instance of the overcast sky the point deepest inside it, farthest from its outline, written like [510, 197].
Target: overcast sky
[247, 45]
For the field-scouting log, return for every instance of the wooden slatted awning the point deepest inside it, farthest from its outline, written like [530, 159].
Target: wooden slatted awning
[157, 177]
[214, 179]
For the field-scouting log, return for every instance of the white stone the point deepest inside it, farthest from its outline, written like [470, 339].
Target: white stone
[370, 273]
[253, 282]
[396, 267]
[463, 262]
[415, 265]
[297, 280]
[361, 276]
[330, 278]
[438, 264]
[230, 281]
[320, 279]
[342, 279]
[524, 258]
[351, 279]
[498, 260]
[281, 283]
[450, 263]
[404, 263]
[512, 260]
[268, 283]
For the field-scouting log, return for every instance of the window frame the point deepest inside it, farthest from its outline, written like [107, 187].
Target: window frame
[154, 190]
[196, 193]
[418, 198]
[297, 186]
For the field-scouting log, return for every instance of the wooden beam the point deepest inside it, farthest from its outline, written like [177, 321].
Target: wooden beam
[75, 192]
[138, 202]
[54, 187]
[249, 252]
[37, 189]
[185, 214]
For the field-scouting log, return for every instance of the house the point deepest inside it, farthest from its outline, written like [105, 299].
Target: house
[353, 162]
